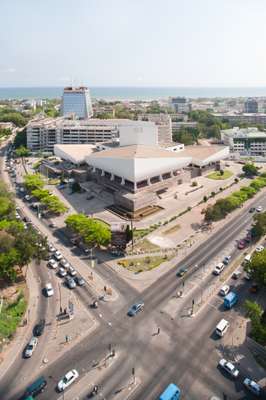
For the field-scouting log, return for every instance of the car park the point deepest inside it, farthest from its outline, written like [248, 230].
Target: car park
[70, 283]
[67, 380]
[224, 290]
[64, 263]
[241, 244]
[218, 269]
[227, 260]
[259, 209]
[135, 308]
[52, 263]
[48, 289]
[72, 271]
[62, 272]
[31, 346]
[79, 281]
[39, 328]
[259, 249]
[229, 368]
[237, 274]
[181, 272]
[57, 255]
[253, 386]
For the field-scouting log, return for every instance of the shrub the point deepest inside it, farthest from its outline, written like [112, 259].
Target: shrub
[205, 198]
[194, 183]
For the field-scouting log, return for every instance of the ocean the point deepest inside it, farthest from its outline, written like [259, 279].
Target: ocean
[135, 93]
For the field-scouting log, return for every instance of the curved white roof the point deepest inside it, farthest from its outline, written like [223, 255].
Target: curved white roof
[137, 162]
[74, 153]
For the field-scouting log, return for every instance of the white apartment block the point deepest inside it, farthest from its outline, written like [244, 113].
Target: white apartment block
[246, 141]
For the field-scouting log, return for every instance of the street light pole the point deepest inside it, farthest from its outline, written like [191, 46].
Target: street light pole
[132, 233]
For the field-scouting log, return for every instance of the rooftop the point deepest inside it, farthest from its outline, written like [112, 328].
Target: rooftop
[74, 153]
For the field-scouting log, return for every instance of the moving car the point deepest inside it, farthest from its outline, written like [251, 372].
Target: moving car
[62, 272]
[218, 269]
[259, 209]
[71, 284]
[37, 387]
[181, 272]
[224, 290]
[227, 260]
[135, 309]
[39, 328]
[253, 386]
[252, 209]
[57, 255]
[79, 281]
[31, 346]
[52, 263]
[49, 291]
[67, 380]
[229, 368]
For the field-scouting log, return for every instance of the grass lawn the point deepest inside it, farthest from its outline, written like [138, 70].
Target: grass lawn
[146, 245]
[11, 315]
[143, 264]
[217, 176]
[140, 233]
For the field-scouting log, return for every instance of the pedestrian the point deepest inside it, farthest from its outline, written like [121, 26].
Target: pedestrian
[61, 310]
[159, 330]
[105, 288]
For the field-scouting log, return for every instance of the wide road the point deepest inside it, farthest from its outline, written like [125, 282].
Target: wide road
[184, 351]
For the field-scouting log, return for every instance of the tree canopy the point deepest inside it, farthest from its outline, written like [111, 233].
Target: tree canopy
[22, 151]
[33, 181]
[250, 170]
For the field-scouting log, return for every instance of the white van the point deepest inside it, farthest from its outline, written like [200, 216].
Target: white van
[247, 258]
[222, 327]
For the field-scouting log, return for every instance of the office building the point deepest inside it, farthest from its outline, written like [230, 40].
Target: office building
[181, 105]
[251, 106]
[249, 118]
[164, 125]
[245, 141]
[76, 101]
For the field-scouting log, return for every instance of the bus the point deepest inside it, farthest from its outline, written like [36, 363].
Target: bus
[172, 392]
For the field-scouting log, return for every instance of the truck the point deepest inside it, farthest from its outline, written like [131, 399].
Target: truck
[172, 392]
[230, 300]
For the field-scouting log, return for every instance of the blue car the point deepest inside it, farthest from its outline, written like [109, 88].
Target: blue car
[135, 309]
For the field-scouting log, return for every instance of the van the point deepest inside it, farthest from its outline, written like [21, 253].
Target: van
[247, 258]
[230, 300]
[222, 327]
[36, 387]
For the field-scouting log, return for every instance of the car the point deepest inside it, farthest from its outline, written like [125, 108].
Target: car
[62, 272]
[259, 209]
[72, 271]
[64, 263]
[71, 284]
[229, 368]
[48, 289]
[52, 263]
[224, 290]
[27, 197]
[227, 260]
[67, 380]
[37, 387]
[52, 225]
[247, 276]
[135, 308]
[253, 386]
[241, 244]
[237, 274]
[254, 288]
[259, 249]
[252, 209]
[31, 346]
[57, 255]
[181, 272]
[79, 281]
[39, 328]
[218, 269]
[51, 248]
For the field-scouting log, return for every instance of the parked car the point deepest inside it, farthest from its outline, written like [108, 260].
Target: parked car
[48, 289]
[67, 380]
[135, 308]
[52, 225]
[259, 209]
[259, 249]
[229, 368]
[62, 272]
[52, 263]
[224, 290]
[241, 244]
[51, 248]
[253, 386]
[64, 263]
[79, 281]
[72, 271]
[181, 272]
[227, 260]
[237, 274]
[57, 255]
[218, 269]
[39, 328]
[31, 346]
[254, 288]
[71, 284]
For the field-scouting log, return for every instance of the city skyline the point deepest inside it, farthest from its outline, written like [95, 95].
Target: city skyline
[200, 44]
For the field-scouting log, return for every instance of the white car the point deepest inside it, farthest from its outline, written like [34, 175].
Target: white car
[52, 263]
[253, 386]
[57, 255]
[62, 272]
[224, 290]
[72, 271]
[64, 263]
[67, 380]
[259, 249]
[218, 269]
[229, 367]
[259, 209]
[31, 346]
[49, 291]
[51, 248]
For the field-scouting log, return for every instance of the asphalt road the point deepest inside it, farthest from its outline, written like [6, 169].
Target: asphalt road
[185, 351]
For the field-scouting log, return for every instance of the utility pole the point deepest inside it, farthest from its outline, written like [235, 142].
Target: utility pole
[132, 233]
[133, 375]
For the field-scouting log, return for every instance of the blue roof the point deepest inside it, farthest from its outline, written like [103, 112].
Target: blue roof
[171, 393]
[230, 296]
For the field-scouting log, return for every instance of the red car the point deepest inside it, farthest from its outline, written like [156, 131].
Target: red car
[241, 244]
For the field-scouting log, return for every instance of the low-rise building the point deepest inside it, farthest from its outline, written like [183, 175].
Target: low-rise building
[245, 141]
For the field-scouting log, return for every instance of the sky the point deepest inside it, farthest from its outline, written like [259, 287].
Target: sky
[191, 43]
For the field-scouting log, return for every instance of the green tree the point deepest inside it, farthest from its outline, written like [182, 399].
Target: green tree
[250, 170]
[259, 226]
[33, 181]
[257, 267]
[20, 138]
[22, 151]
